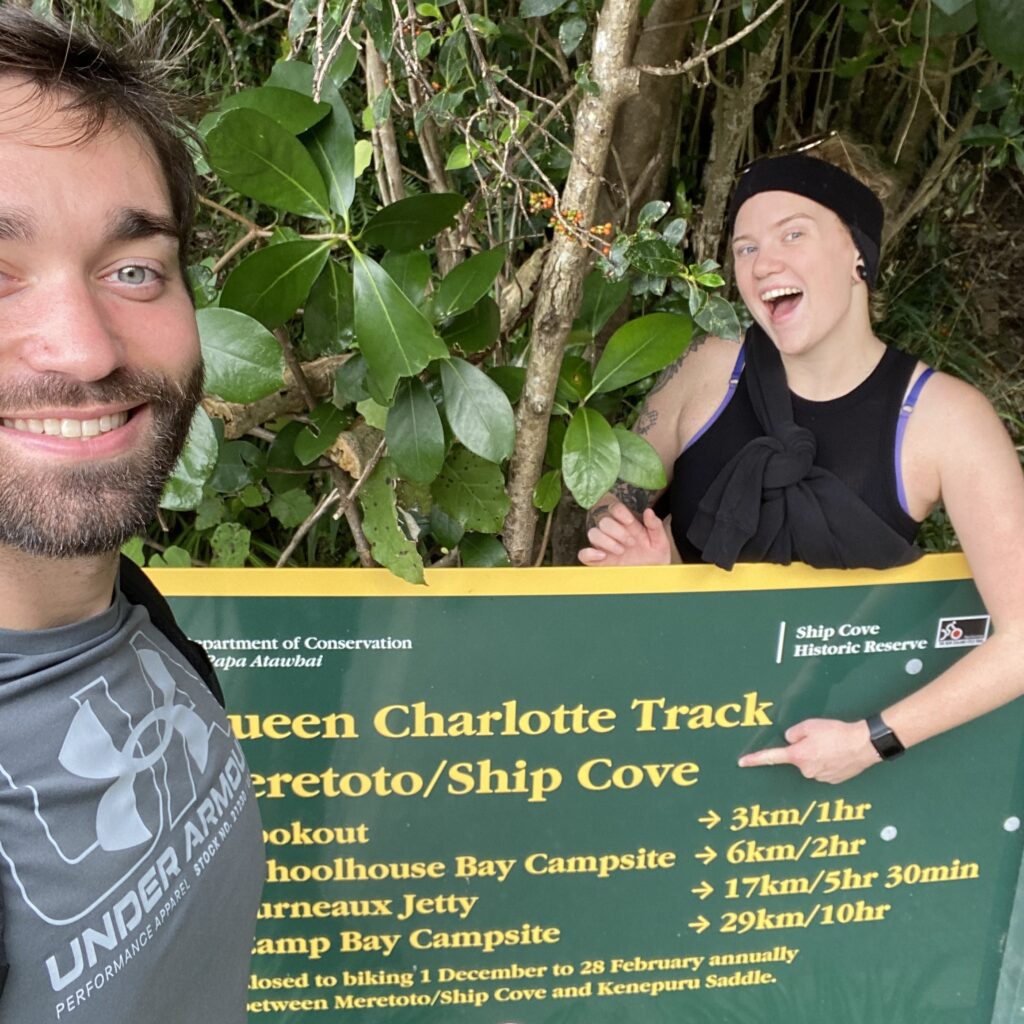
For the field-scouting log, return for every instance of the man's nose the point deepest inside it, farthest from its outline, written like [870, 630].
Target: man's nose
[74, 333]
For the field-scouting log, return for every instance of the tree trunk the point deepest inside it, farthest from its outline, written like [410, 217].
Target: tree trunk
[734, 113]
[559, 292]
[644, 142]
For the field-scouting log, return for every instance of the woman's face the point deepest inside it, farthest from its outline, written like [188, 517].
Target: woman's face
[796, 268]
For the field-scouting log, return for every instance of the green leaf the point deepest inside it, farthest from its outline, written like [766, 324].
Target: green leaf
[446, 530]
[548, 492]
[327, 422]
[1001, 29]
[590, 457]
[239, 463]
[601, 298]
[254, 155]
[137, 11]
[650, 213]
[388, 544]
[298, 19]
[511, 380]
[230, 543]
[292, 508]
[332, 144]
[654, 256]
[711, 280]
[328, 316]
[640, 348]
[252, 496]
[538, 8]
[410, 271]
[393, 335]
[951, 7]
[134, 550]
[476, 329]
[271, 283]
[477, 410]
[472, 491]
[995, 96]
[172, 557]
[718, 318]
[414, 433]
[458, 158]
[210, 512]
[293, 111]
[296, 75]
[412, 222]
[571, 33]
[350, 381]
[574, 380]
[284, 471]
[640, 465]
[480, 551]
[243, 359]
[375, 414]
[363, 156]
[469, 282]
[983, 135]
[184, 487]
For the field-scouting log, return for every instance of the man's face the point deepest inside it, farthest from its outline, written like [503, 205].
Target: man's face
[99, 356]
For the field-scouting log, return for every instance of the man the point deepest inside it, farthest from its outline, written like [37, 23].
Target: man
[130, 858]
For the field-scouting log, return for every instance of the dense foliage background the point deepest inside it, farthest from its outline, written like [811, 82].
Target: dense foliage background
[445, 247]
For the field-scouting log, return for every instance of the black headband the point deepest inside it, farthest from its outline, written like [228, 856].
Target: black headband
[850, 200]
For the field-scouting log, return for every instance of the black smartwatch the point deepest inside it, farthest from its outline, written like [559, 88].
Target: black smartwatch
[883, 739]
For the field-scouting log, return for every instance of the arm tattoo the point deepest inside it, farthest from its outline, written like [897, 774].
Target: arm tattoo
[646, 421]
[670, 371]
[636, 499]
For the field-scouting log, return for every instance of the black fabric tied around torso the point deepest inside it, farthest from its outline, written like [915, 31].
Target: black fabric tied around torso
[771, 503]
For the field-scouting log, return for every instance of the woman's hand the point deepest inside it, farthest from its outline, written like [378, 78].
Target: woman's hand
[619, 538]
[821, 748]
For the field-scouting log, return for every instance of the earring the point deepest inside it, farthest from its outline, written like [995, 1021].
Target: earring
[862, 272]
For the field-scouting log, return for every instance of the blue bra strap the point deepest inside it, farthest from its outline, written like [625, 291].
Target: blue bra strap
[901, 428]
[734, 379]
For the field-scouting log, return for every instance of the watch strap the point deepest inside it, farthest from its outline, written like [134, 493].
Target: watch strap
[883, 739]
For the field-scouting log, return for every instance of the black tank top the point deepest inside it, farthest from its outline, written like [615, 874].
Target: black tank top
[856, 438]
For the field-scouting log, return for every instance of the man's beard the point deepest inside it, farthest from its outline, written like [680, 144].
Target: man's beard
[91, 508]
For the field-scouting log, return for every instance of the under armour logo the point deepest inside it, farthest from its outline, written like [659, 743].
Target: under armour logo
[89, 751]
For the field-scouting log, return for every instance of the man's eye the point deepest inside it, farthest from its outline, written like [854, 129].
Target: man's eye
[135, 275]
[794, 235]
[746, 250]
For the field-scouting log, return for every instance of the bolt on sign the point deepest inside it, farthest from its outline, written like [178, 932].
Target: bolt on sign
[514, 796]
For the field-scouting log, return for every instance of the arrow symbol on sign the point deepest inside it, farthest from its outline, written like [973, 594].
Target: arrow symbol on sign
[704, 890]
[707, 855]
[701, 924]
[710, 820]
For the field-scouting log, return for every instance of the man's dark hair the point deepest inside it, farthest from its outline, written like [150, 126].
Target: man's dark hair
[101, 87]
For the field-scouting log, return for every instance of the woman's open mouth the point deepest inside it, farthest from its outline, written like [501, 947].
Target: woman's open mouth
[781, 301]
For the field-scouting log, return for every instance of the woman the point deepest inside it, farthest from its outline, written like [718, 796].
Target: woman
[818, 443]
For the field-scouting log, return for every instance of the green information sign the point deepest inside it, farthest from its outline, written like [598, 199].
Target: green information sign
[513, 798]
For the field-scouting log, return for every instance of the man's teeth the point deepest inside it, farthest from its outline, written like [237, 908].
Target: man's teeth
[83, 429]
[779, 293]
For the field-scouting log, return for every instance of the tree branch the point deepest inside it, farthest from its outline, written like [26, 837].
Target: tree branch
[684, 67]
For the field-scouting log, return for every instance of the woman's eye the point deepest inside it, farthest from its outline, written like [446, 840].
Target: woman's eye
[746, 250]
[794, 235]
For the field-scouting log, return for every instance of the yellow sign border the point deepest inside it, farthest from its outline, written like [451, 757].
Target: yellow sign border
[660, 579]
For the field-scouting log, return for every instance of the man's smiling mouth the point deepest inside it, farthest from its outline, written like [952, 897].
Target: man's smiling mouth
[69, 428]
